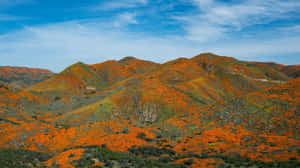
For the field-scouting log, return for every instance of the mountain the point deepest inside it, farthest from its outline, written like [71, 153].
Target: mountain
[114, 71]
[152, 91]
[204, 111]
[82, 78]
[75, 79]
[20, 77]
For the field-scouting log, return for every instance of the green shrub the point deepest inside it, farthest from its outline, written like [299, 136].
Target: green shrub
[117, 159]
[17, 158]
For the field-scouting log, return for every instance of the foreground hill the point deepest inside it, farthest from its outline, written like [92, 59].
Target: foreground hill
[19, 77]
[205, 111]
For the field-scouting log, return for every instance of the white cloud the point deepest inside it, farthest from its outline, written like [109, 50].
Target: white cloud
[120, 4]
[55, 46]
[207, 32]
[202, 4]
[223, 18]
[290, 29]
[264, 48]
[125, 19]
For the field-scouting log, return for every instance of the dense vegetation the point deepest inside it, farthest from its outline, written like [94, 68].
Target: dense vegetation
[207, 111]
[19, 77]
[18, 158]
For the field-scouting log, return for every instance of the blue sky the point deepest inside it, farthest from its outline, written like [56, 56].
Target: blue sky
[56, 33]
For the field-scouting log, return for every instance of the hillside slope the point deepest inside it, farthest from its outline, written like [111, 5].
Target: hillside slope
[114, 71]
[82, 78]
[75, 79]
[20, 77]
[205, 111]
[162, 91]
[292, 71]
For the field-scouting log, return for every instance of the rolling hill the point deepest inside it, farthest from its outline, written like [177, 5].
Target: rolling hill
[204, 111]
[20, 77]
[153, 91]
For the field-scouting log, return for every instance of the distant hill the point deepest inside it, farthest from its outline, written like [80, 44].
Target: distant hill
[290, 70]
[20, 77]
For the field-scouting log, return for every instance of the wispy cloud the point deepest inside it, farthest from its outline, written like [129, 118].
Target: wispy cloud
[66, 43]
[217, 18]
[290, 29]
[119, 4]
[97, 39]
[125, 19]
[70, 42]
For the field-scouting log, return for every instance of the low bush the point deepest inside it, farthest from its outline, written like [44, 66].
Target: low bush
[118, 159]
[17, 158]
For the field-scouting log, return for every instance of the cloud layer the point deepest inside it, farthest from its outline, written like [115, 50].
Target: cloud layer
[213, 19]
[207, 26]
[119, 4]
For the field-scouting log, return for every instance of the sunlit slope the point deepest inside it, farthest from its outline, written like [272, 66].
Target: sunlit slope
[270, 110]
[114, 71]
[205, 111]
[176, 87]
[12, 102]
[76, 79]
[80, 78]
